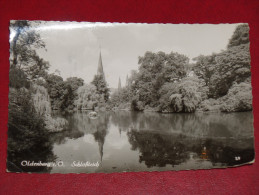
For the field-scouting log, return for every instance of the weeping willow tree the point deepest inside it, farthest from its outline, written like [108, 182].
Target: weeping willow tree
[88, 97]
[41, 102]
[183, 96]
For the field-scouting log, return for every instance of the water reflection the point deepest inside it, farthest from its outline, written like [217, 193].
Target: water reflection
[135, 141]
[198, 125]
[158, 149]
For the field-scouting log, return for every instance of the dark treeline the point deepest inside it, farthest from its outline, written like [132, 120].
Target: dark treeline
[27, 134]
[169, 83]
[34, 93]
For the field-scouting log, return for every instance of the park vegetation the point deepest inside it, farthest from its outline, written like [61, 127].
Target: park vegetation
[162, 83]
[170, 83]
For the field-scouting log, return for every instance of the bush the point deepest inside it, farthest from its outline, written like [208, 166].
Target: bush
[176, 102]
[27, 135]
[140, 105]
[151, 109]
[211, 105]
[18, 79]
[191, 96]
[239, 98]
[55, 124]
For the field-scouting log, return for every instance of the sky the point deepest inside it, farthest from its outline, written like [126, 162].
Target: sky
[74, 48]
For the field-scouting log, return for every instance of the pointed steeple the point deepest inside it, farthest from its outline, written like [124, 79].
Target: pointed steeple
[99, 137]
[100, 66]
[119, 85]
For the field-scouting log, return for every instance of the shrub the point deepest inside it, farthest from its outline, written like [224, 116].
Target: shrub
[191, 96]
[27, 134]
[239, 98]
[212, 105]
[176, 103]
[18, 79]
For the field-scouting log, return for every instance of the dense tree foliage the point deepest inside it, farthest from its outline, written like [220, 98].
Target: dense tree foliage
[24, 41]
[88, 97]
[18, 79]
[29, 121]
[221, 70]
[63, 93]
[169, 83]
[101, 87]
[239, 98]
[156, 69]
[183, 96]
[121, 98]
[233, 65]
[27, 135]
[240, 36]
[204, 68]
[55, 86]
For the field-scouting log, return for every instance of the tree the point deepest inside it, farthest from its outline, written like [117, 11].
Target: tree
[16, 28]
[239, 98]
[87, 97]
[56, 87]
[101, 87]
[24, 38]
[220, 71]
[27, 135]
[67, 99]
[191, 95]
[233, 65]
[121, 98]
[183, 96]
[75, 82]
[18, 79]
[166, 92]
[36, 67]
[204, 67]
[240, 36]
[23, 41]
[70, 92]
[155, 70]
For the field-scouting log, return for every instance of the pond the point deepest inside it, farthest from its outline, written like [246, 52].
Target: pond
[137, 141]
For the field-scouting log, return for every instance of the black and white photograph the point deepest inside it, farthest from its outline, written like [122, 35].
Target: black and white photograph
[128, 97]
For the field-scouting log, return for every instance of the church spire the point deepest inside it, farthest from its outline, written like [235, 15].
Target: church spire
[100, 66]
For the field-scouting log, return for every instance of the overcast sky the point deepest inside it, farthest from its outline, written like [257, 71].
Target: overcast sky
[73, 48]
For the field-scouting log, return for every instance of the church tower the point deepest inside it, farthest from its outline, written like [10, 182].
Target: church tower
[100, 67]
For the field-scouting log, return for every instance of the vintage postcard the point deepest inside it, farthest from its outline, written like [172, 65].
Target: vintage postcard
[115, 97]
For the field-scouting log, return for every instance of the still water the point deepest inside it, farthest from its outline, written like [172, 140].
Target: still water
[137, 141]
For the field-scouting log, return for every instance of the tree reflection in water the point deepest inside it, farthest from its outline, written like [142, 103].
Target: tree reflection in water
[210, 125]
[147, 141]
[173, 139]
[80, 124]
[101, 131]
[158, 149]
